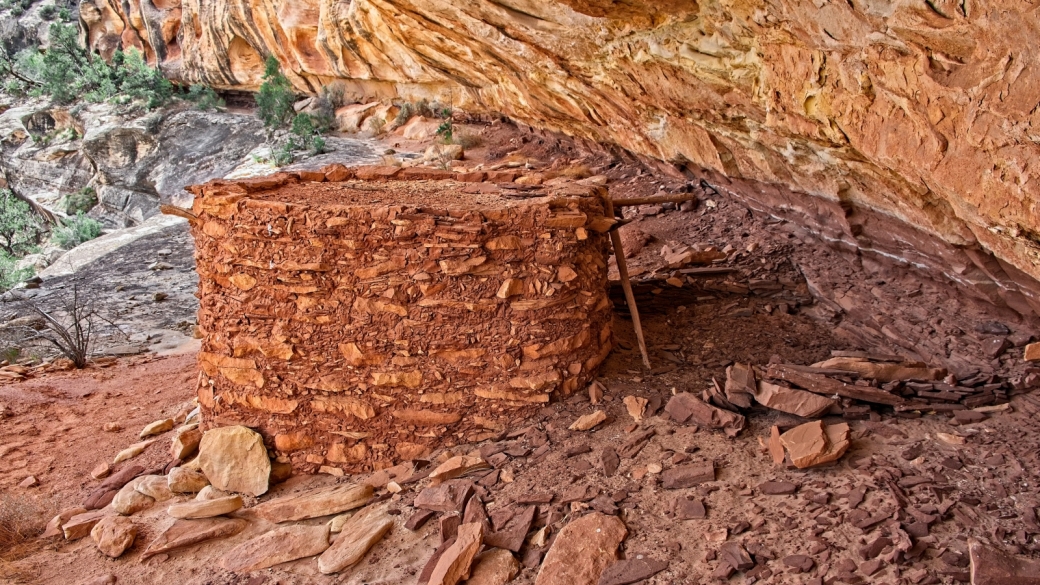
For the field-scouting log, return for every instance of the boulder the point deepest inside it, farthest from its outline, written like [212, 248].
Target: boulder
[155, 487]
[113, 535]
[443, 153]
[235, 459]
[80, 525]
[350, 118]
[582, 551]
[54, 526]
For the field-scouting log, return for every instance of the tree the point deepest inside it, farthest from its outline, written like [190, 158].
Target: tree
[20, 229]
[276, 98]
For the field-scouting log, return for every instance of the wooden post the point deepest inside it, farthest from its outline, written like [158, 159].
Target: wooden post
[654, 199]
[626, 283]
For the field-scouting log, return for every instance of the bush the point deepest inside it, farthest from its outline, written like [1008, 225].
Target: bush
[48, 12]
[20, 229]
[205, 98]
[67, 72]
[75, 230]
[9, 276]
[275, 100]
[468, 140]
[81, 201]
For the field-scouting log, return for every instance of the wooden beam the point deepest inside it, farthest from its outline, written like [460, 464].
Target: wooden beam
[626, 283]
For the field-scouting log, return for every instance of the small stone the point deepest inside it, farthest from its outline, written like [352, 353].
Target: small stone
[181, 480]
[28, 482]
[80, 525]
[588, 421]
[156, 428]
[456, 467]
[234, 459]
[419, 519]
[54, 526]
[101, 471]
[1032, 353]
[450, 496]
[111, 427]
[155, 487]
[950, 439]
[684, 476]
[186, 442]
[777, 488]
[736, 556]
[595, 393]
[195, 509]
[113, 535]
[132, 451]
[281, 545]
[632, 570]
[635, 406]
[210, 493]
[801, 563]
[129, 501]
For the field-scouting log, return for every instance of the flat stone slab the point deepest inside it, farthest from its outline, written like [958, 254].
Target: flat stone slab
[196, 509]
[582, 551]
[281, 545]
[188, 532]
[315, 503]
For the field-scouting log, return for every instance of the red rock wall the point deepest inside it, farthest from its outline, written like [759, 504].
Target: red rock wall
[923, 113]
[354, 334]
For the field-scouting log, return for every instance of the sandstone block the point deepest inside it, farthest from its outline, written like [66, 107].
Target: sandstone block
[582, 551]
[113, 535]
[234, 459]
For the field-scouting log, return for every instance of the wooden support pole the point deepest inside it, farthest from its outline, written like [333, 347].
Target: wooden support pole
[626, 282]
[654, 199]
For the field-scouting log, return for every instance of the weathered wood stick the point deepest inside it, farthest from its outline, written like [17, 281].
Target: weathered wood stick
[177, 211]
[652, 199]
[626, 283]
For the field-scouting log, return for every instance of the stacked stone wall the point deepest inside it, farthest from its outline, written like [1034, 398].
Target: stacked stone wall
[360, 317]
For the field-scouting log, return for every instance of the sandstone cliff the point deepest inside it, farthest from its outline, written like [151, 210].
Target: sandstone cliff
[925, 111]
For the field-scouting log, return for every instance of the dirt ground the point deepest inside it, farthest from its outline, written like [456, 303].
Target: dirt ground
[898, 473]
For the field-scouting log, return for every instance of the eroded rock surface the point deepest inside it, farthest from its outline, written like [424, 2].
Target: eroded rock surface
[924, 112]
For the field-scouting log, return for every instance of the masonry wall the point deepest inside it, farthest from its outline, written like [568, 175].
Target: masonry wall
[369, 319]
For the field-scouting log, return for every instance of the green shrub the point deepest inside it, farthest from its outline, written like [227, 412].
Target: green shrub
[446, 130]
[67, 72]
[205, 98]
[75, 230]
[48, 12]
[81, 201]
[20, 229]
[8, 275]
[275, 99]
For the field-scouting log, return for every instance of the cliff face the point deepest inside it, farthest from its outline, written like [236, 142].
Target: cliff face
[923, 111]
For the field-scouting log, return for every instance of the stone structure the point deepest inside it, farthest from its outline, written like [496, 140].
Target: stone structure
[360, 317]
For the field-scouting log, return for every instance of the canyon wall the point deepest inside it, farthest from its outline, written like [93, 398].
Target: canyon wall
[922, 111]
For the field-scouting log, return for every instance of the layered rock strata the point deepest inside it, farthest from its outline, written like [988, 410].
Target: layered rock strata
[370, 318]
[921, 112]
